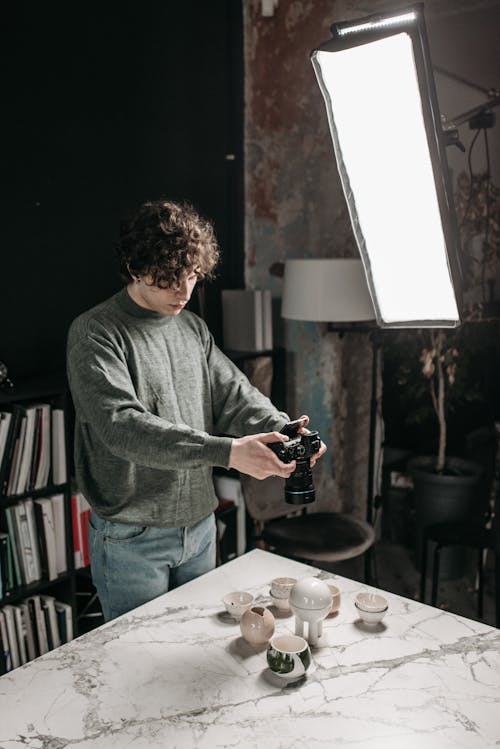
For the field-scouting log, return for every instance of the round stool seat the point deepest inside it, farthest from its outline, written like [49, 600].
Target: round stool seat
[320, 536]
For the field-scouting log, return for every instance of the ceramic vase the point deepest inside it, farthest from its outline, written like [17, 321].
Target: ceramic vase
[310, 601]
[257, 625]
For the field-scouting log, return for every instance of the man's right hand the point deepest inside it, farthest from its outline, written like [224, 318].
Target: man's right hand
[251, 455]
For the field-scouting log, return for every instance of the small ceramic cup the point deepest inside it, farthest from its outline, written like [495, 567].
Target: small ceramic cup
[237, 603]
[281, 586]
[335, 598]
[289, 657]
[282, 604]
[371, 607]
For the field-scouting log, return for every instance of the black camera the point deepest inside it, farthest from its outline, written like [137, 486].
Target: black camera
[299, 487]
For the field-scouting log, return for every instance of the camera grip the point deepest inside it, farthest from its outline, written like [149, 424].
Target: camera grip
[280, 451]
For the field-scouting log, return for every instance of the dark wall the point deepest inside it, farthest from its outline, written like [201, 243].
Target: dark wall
[106, 108]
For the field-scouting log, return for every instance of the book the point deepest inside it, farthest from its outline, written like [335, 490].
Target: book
[15, 545]
[9, 450]
[26, 452]
[10, 624]
[59, 472]
[6, 565]
[6, 660]
[38, 623]
[28, 631]
[51, 623]
[5, 417]
[77, 531]
[81, 512]
[44, 447]
[65, 621]
[247, 319]
[30, 606]
[30, 513]
[58, 511]
[16, 457]
[21, 635]
[44, 522]
[28, 548]
[85, 512]
[35, 454]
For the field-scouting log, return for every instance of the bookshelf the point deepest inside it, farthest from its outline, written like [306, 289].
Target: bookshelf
[35, 510]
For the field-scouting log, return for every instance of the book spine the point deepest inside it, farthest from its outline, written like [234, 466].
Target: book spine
[21, 635]
[8, 456]
[58, 512]
[30, 513]
[6, 658]
[59, 475]
[77, 531]
[12, 635]
[42, 541]
[25, 548]
[14, 546]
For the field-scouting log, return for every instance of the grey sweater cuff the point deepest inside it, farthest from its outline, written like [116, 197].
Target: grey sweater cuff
[216, 450]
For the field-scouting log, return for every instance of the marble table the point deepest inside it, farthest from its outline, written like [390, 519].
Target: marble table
[176, 673]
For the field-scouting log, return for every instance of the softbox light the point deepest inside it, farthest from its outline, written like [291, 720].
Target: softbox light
[376, 78]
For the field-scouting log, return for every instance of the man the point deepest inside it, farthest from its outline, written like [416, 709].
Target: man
[155, 400]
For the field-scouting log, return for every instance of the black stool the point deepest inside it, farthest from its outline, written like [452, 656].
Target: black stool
[468, 536]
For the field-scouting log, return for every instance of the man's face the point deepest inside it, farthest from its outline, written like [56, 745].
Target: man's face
[169, 301]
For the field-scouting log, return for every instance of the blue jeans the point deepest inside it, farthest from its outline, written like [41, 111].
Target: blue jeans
[132, 564]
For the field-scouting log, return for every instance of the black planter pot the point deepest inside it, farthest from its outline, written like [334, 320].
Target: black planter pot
[453, 496]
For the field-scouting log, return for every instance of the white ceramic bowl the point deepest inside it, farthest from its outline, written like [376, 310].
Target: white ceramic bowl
[281, 586]
[237, 603]
[371, 617]
[283, 604]
[371, 602]
[335, 598]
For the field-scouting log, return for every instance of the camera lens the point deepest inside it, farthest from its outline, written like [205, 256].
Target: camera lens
[299, 489]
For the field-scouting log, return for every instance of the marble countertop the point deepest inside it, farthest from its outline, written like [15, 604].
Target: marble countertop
[176, 673]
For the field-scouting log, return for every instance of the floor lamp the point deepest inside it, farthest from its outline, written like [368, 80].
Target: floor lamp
[335, 291]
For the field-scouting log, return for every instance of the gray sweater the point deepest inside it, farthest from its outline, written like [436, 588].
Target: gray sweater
[152, 395]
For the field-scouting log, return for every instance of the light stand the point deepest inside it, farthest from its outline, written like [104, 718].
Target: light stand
[335, 291]
[377, 82]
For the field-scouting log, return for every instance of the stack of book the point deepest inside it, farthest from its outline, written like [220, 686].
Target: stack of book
[32, 542]
[32, 448]
[247, 320]
[31, 628]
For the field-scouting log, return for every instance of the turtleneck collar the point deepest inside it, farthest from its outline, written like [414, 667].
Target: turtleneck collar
[128, 305]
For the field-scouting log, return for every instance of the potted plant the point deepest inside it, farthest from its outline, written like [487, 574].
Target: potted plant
[441, 372]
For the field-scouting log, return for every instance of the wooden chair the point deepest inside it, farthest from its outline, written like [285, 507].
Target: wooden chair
[315, 537]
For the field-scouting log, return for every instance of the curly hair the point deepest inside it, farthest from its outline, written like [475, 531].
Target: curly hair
[166, 241]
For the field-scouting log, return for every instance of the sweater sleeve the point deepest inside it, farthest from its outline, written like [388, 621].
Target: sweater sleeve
[239, 408]
[105, 402]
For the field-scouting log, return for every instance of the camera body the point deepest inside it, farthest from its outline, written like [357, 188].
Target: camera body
[299, 487]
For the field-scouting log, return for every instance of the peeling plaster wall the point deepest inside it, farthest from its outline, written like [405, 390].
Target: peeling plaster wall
[294, 206]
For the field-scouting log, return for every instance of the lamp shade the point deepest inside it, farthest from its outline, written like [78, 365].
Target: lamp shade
[326, 290]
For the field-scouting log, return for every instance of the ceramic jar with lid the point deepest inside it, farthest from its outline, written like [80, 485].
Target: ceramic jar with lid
[311, 601]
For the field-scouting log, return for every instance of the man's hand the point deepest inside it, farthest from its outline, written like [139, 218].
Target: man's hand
[251, 455]
[323, 447]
